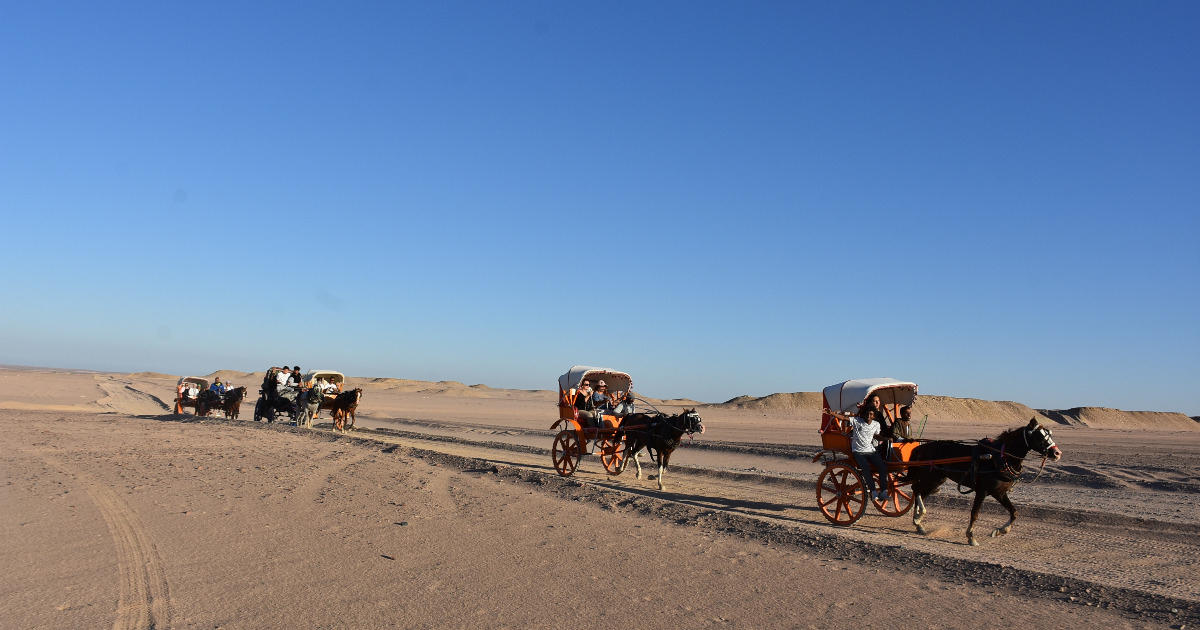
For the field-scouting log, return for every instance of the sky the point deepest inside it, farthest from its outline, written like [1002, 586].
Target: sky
[993, 200]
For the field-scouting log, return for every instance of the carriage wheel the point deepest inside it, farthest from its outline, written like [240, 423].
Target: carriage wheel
[258, 410]
[201, 409]
[612, 454]
[565, 453]
[900, 497]
[178, 408]
[840, 494]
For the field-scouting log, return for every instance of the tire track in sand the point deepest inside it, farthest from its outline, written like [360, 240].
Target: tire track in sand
[143, 599]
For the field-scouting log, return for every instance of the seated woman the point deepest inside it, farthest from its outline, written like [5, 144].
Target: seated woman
[585, 408]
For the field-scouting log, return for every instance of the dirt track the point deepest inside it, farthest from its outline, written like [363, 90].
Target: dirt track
[1083, 540]
[1102, 550]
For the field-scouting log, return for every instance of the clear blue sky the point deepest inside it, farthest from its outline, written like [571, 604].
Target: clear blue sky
[995, 200]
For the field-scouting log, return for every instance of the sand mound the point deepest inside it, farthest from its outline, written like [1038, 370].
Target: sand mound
[796, 401]
[157, 375]
[1104, 418]
[232, 375]
[122, 398]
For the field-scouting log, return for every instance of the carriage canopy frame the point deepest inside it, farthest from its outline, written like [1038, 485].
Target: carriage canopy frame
[337, 378]
[849, 396]
[617, 381]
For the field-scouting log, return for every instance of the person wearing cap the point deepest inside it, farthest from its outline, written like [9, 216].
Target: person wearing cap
[601, 399]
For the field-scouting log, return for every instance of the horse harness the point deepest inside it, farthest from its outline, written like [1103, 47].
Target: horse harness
[1003, 469]
[667, 443]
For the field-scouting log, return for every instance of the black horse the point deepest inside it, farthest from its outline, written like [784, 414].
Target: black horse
[990, 467]
[660, 437]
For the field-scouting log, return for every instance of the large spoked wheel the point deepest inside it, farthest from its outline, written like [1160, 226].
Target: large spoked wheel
[612, 454]
[178, 407]
[201, 409]
[841, 494]
[258, 410]
[900, 497]
[565, 453]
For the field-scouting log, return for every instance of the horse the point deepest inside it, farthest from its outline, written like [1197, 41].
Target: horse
[989, 468]
[343, 407]
[233, 402]
[660, 437]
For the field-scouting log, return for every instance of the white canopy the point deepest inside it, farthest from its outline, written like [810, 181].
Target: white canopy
[616, 381]
[329, 375]
[202, 383]
[847, 397]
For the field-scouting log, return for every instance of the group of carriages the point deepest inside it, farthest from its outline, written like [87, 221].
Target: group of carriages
[598, 415]
[913, 467]
[299, 399]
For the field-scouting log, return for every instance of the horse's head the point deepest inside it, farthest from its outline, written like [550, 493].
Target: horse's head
[1041, 439]
[691, 421]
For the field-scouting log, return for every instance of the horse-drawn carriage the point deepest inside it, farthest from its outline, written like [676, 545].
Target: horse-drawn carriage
[916, 468]
[272, 402]
[187, 392]
[329, 388]
[614, 429]
[228, 401]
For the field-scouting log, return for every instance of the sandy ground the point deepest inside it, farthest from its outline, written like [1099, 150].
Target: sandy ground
[443, 511]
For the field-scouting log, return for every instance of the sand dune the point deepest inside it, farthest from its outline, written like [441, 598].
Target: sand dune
[148, 392]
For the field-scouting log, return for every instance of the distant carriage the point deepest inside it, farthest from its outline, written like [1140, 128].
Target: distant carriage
[341, 403]
[916, 467]
[272, 402]
[187, 392]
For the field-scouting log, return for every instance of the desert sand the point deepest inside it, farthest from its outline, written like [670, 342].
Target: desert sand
[442, 510]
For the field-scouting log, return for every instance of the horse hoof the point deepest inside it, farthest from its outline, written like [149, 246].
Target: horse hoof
[971, 541]
[921, 530]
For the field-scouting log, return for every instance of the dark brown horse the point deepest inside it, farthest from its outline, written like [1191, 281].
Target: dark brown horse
[989, 468]
[343, 408]
[233, 402]
[660, 437]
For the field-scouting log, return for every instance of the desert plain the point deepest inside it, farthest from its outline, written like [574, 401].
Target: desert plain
[441, 509]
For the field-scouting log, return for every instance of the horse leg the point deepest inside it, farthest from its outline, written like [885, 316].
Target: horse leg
[1012, 514]
[919, 514]
[638, 462]
[663, 458]
[975, 506]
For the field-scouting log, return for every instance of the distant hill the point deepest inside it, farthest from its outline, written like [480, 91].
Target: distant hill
[948, 409]
[938, 408]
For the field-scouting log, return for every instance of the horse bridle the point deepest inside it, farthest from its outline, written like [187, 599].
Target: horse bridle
[689, 416]
[1047, 441]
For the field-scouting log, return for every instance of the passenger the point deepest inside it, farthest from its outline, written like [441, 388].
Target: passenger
[297, 379]
[281, 378]
[876, 405]
[584, 405]
[601, 399]
[329, 387]
[192, 391]
[218, 387]
[902, 429]
[863, 432]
